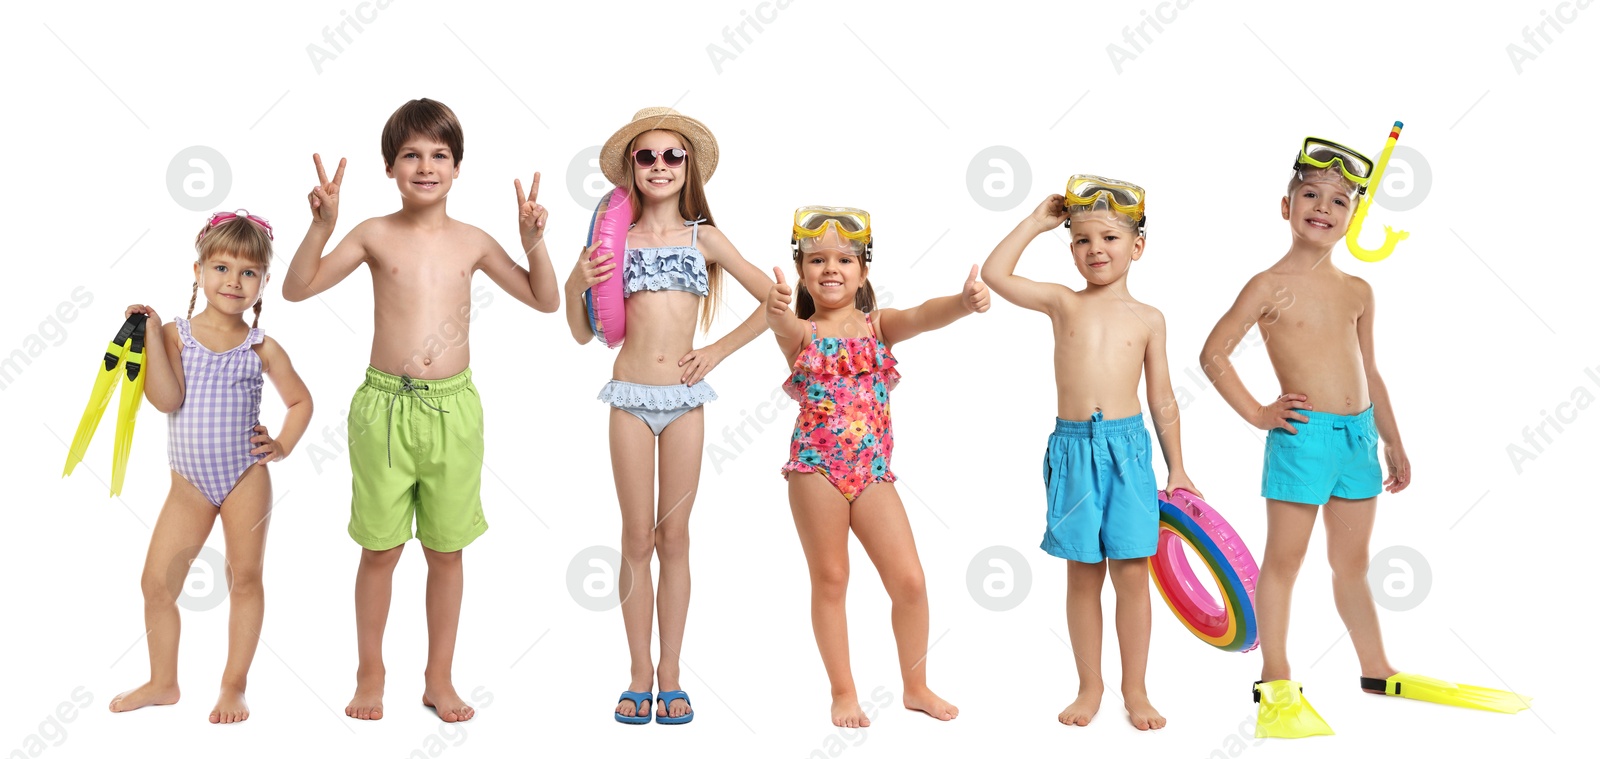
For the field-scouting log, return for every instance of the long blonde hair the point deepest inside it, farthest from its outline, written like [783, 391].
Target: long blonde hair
[691, 205]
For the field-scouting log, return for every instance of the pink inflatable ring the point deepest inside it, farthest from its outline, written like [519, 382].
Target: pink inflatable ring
[609, 225]
[1229, 624]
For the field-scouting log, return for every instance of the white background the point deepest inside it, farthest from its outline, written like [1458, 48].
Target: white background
[1484, 325]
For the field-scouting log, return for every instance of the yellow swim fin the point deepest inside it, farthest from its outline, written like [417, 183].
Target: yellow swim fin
[104, 386]
[128, 411]
[1424, 688]
[1285, 712]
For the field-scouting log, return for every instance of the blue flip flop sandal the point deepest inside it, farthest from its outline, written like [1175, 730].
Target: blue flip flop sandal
[666, 698]
[641, 715]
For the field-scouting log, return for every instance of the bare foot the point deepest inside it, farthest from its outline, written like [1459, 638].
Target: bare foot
[1081, 710]
[148, 694]
[443, 700]
[1141, 713]
[935, 707]
[230, 707]
[368, 701]
[847, 712]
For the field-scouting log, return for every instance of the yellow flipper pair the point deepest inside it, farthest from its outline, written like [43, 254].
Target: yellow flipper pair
[1285, 712]
[123, 361]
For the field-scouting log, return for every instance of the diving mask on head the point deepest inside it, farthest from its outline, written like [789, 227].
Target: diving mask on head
[810, 222]
[1122, 202]
[1317, 153]
[1319, 159]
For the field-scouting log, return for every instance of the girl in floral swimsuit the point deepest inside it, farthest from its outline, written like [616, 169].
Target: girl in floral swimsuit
[841, 373]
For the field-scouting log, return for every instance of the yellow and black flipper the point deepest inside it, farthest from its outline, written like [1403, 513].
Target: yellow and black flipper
[108, 371]
[1424, 688]
[133, 374]
[1285, 712]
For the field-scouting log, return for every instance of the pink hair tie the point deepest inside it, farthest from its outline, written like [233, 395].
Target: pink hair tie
[226, 216]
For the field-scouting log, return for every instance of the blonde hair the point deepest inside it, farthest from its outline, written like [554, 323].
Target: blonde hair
[242, 238]
[691, 205]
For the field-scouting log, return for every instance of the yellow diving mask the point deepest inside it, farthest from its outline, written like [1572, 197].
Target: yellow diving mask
[1324, 154]
[811, 222]
[1087, 193]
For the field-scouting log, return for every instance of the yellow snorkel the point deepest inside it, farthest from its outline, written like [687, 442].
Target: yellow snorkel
[1391, 236]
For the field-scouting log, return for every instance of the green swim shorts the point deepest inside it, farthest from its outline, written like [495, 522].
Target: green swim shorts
[416, 448]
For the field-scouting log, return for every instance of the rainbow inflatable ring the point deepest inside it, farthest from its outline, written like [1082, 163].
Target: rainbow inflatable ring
[1230, 624]
[608, 316]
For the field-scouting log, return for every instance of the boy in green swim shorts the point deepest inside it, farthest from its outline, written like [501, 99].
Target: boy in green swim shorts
[416, 425]
[1324, 426]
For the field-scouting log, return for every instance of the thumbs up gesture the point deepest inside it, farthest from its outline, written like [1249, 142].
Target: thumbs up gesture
[975, 295]
[780, 296]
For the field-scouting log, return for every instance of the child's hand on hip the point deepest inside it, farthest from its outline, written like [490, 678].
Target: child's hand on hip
[1282, 411]
[266, 445]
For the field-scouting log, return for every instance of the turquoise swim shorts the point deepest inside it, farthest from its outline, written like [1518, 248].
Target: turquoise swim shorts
[1332, 455]
[1101, 491]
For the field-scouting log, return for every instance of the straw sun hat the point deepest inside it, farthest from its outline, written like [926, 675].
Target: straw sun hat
[702, 146]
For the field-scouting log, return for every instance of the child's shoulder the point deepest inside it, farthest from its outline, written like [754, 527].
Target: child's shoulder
[271, 352]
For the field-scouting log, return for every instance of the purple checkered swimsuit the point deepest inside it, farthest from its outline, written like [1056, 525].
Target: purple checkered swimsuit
[208, 437]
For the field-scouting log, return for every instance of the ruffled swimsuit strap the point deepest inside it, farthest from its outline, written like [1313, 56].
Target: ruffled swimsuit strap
[183, 332]
[694, 234]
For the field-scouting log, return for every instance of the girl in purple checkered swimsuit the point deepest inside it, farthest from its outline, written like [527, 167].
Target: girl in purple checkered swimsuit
[206, 373]
[208, 437]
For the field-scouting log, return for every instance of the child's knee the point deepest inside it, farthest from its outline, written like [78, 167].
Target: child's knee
[1085, 574]
[672, 541]
[244, 580]
[638, 545]
[831, 580]
[1352, 563]
[384, 560]
[442, 560]
[1129, 575]
[907, 586]
[157, 589]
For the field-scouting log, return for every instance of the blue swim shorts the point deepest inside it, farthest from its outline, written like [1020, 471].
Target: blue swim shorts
[1101, 491]
[1333, 455]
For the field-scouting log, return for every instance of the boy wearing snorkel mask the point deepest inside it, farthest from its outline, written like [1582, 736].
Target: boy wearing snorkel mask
[1323, 427]
[1099, 481]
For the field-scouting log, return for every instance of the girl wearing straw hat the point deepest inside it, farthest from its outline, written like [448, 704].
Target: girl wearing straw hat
[671, 268]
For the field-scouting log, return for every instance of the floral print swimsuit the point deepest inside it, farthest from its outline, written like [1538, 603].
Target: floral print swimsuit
[843, 433]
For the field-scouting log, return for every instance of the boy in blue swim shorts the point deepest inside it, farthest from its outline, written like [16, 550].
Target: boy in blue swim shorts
[1100, 482]
[1324, 427]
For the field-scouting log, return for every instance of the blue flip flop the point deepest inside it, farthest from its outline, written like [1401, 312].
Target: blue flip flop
[641, 715]
[666, 698]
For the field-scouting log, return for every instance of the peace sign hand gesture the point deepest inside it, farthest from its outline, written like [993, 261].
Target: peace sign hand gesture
[530, 215]
[324, 198]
